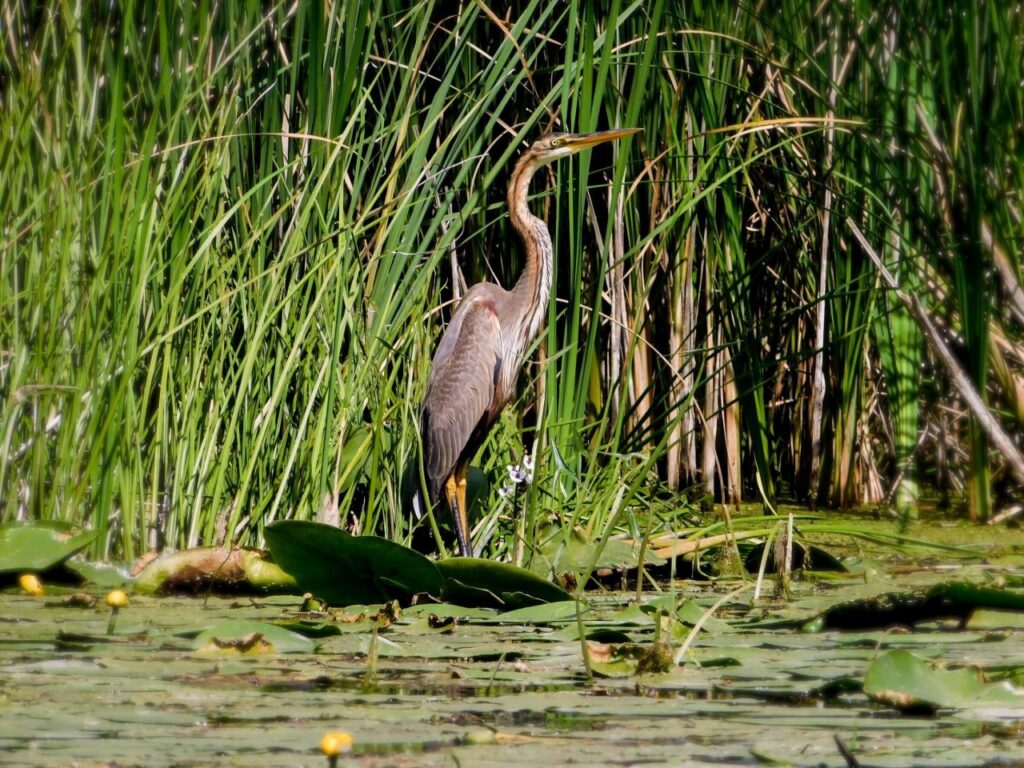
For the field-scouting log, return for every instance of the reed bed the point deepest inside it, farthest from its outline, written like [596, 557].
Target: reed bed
[230, 234]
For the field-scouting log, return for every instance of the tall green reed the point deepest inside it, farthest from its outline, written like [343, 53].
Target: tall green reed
[232, 233]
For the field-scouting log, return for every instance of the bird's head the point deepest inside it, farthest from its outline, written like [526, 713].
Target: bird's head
[553, 146]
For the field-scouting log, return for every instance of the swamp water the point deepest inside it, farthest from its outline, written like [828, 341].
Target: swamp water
[170, 686]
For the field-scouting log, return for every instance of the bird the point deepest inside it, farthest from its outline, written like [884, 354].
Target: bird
[474, 369]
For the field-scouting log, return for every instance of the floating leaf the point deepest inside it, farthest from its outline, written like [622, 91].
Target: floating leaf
[252, 637]
[39, 546]
[344, 569]
[263, 574]
[690, 613]
[450, 610]
[955, 599]
[218, 568]
[545, 613]
[306, 628]
[996, 619]
[105, 575]
[473, 581]
[574, 552]
[908, 682]
[630, 658]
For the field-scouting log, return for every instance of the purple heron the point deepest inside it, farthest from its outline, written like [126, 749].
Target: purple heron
[474, 370]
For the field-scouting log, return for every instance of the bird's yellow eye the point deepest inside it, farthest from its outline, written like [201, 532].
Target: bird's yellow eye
[556, 143]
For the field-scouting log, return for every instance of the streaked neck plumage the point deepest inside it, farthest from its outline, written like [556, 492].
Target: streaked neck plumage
[534, 285]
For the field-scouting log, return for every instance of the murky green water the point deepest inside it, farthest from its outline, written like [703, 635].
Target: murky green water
[488, 691]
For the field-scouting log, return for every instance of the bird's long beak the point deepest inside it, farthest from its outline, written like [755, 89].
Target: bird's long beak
[578, 141]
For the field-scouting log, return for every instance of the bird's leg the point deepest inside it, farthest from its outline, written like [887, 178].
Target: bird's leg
[464, 543]
[455, 490]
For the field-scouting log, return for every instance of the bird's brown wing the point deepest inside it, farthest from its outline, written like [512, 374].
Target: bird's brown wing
[461, 388]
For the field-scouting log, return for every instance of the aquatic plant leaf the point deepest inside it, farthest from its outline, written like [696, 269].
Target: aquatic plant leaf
[476, 582]
[449, 610]
[104, 575]
[310, 629]
[908, 682]
[345, 570]
[690, 613]
[244, 636]
[571, 632]
[264, 574]
[998, 701]
[545, 613]
[686, 611]
[574, 552]
[985, 618]
[202, 569]
[952, 599]
[634, 615]
[38, 546]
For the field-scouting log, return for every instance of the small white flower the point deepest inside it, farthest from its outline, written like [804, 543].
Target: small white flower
[522, 472]
[506, 490]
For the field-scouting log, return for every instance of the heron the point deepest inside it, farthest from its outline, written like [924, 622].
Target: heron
[474, 370]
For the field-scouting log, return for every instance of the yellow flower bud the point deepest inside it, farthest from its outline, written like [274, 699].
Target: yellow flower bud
[117, 599]
[30, 584]
[336, 742]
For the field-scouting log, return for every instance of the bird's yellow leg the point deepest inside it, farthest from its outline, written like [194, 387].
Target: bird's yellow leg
[455, 490]
[464, 513]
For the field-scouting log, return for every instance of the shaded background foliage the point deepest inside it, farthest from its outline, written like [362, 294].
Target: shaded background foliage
[227, 229]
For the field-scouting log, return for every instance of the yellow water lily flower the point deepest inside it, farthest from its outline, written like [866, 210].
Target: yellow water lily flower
[117, 599]
[30, 584]
[335, 743]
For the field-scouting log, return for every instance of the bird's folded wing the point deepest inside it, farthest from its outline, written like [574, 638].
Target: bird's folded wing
[461, 387]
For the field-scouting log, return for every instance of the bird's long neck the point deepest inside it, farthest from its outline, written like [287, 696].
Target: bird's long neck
[534, 285]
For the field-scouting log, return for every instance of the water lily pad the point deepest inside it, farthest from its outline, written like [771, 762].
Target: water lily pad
[473, 581]
[574, 552]
[222, 569]
[249, 637]
[995, 619]
[344, 569]
[545, 613]
[104, 575]
[954, 599]
[908, 682]
[39, 546]
[690, 614]
[448, 610]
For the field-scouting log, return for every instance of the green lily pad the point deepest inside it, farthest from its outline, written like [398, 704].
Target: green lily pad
[39, 546]
[984, 618]
[544, 613]
[103, 575]
[217, 568]
[690, 613]
[345, 570]
[449, 610]
[311, 629]
[264, 574]
[908, 682]
[574, 552]
[249, 637]
[477, 582]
